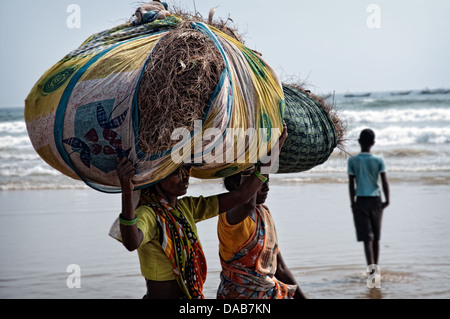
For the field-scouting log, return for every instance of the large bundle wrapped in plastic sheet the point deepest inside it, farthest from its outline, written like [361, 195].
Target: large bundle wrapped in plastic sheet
[108, 99]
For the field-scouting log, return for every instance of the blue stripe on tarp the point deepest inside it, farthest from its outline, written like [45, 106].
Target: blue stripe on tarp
[205, 30]
[150, 157]
[59, 119]
[61, 110]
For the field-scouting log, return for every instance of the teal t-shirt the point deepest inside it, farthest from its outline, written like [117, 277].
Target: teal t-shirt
[366, 168]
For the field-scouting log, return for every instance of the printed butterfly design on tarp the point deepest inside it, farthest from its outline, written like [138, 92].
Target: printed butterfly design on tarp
[101, 144]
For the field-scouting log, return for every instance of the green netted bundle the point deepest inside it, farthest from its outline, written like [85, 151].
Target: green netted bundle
[313, 134]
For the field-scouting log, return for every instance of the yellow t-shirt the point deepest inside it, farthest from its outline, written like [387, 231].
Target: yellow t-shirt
[154, 263]
[232, 237]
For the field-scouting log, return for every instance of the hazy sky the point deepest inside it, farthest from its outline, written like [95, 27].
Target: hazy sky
[334, 45]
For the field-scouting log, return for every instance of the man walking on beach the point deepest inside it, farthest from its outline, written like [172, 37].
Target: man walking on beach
[366, 168]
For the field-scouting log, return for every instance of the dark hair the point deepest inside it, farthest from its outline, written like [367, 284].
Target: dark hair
[230, 182]
[367, 137]
[149, 190]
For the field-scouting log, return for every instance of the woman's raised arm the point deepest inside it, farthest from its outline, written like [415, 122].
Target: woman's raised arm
[131, 235]
[251, 185]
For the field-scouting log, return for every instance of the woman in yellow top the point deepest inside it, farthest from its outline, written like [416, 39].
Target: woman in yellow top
[252, 265]
[163, 229]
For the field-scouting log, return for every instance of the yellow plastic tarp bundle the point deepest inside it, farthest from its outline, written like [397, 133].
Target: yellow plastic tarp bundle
[82, 113]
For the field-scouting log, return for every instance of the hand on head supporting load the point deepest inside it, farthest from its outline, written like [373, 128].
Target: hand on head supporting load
[125, 171]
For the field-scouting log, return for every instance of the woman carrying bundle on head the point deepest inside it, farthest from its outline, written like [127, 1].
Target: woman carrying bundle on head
[163, 228]
[252, 265]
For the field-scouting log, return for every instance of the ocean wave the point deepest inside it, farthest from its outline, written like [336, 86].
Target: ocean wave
[11, 141]
[402, 152]
[25, 170]
[6, 155]
[420, 169]
[406, 135]
[397, 116]
[395, 175]
[13, 127]
[408, 152]
[337, 175]
[414, 142]
[392, 166]
[388, 102]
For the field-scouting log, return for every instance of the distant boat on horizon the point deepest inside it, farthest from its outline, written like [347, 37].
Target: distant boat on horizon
[357, 95]
[401, 93]
[436, 91]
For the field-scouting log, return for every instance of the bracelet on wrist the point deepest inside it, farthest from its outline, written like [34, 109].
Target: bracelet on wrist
[127, 222]
[260, 176]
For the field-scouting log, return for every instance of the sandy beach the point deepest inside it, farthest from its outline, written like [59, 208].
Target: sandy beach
[43, 232]
[73, 90]
[49, 222]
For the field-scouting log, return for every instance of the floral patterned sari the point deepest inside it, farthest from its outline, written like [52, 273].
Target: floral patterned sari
[181, 245]
[249, 274]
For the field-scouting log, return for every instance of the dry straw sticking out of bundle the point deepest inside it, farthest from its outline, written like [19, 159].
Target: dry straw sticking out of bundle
[179, 80]
[225, 25]
[176, 87]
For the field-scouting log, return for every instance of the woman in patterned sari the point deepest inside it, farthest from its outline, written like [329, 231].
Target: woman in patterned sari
[163, 228]
[252, 265]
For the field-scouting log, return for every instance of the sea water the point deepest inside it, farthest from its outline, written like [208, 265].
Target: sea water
[49, 222]
[412, 134]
